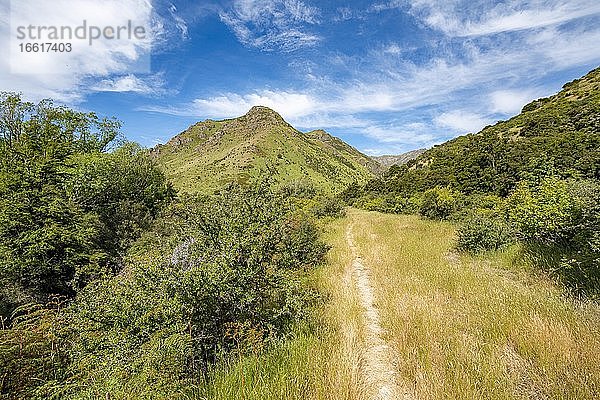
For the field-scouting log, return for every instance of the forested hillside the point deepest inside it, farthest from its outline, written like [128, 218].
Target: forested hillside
[534, 179]
[557, 135]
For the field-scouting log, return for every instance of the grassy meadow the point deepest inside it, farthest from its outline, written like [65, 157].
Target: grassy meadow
[475, 327]
[322, 358]
[461, 327]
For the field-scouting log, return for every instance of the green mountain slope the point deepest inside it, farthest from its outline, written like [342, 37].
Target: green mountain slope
[558, 135]
[210, 154]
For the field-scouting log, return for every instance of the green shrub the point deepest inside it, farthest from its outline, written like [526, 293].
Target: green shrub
[352, 192]
[481, 233]
[215, 274]
[388, 204]
[559, 221]
[327, 206]
[34, 351]
[544, 213]
[439, 203]
[477, 204]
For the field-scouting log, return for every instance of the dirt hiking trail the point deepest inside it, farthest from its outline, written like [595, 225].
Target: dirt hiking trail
[379, 371]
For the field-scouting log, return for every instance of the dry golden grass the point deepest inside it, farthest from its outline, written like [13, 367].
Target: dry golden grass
[459, 327]
[343, 314]
[474, 328]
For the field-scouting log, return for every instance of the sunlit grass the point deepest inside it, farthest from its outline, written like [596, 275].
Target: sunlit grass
[461, 327]
[475, 327]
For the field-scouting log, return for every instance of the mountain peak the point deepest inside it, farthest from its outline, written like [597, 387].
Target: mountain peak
[208, 155]
[263, 112]
[261, 118]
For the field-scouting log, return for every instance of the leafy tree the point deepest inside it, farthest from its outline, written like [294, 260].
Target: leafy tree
[68, 208]
[560, 223]
[215, 274]
[545, 213]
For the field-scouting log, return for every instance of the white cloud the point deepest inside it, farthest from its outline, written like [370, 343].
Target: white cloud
[412, 134]
[385, 5]
[511, 101]
[564, 49]
[343, 14]
[291, 105]
[131, 83]
[320, 120]
[103, 56]
[481, 17]
[462, 121]
[393, 49]
[272, 24]
[104, 65]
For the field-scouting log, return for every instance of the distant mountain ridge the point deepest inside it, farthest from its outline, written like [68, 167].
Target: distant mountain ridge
[210, 154]
[388, 160]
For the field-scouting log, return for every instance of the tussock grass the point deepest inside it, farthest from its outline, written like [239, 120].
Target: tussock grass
[475, 327]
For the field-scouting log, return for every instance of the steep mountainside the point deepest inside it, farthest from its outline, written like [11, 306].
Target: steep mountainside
[211, 154]
[558, 135]
[388, 160]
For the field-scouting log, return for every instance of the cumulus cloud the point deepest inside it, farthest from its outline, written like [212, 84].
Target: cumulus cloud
[462, 121]
[104, 65]
[511, 101]
[272, 24]
[413, 134]
[291, 105]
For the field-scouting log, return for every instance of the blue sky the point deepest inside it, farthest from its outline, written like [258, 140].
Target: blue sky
[386, 76]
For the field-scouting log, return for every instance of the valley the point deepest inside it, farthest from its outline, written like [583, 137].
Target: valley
[245, 259]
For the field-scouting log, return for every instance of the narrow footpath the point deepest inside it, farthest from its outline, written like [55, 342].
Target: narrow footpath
[379, 371]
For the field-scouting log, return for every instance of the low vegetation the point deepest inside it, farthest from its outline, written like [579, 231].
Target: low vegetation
[466, 327]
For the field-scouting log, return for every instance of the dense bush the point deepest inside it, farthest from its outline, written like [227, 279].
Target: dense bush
[477, 204]
[214, 274]
[68, 207]
[389, 204]
[307, 199]
[547, 212]
[561, 218]
[34, 351]
[439, 203]
[481, 233]
[327, 206]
